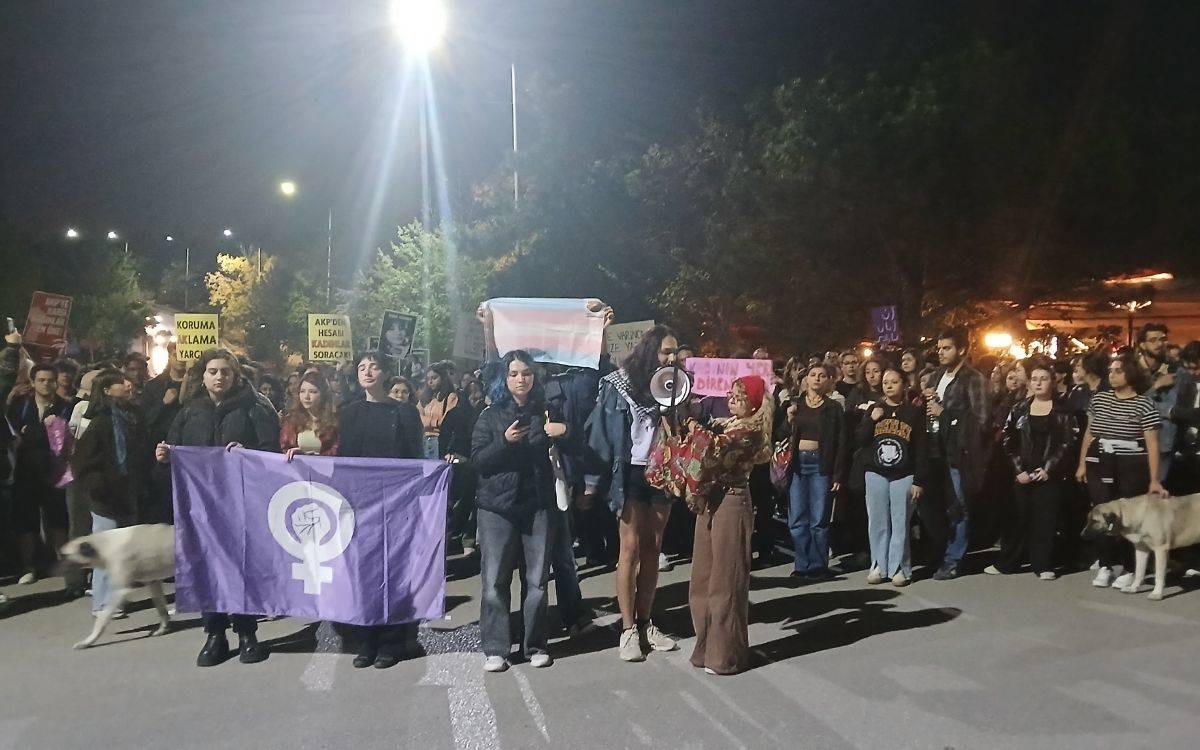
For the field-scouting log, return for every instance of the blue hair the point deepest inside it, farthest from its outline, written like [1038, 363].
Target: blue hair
[497, 391]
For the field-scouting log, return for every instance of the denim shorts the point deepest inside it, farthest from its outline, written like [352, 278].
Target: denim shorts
[638, 489]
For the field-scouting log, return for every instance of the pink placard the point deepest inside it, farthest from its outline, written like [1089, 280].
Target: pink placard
[714, 377]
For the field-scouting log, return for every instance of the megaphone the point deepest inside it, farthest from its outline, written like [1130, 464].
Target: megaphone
[670, 386]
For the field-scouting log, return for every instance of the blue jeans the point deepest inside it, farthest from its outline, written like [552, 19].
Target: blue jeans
[504, 542]
[99, 575]
[887, 524]
[562, 564]
[956, 509]
[808, 512]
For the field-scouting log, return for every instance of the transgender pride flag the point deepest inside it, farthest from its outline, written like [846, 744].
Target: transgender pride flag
[563, 331]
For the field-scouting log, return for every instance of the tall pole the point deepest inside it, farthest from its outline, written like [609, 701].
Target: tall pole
[329, 259]
[516, 176]
[187, 275]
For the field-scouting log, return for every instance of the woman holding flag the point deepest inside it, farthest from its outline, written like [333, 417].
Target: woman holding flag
[226, 412]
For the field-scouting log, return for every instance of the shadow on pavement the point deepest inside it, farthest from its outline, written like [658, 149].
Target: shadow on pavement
[19, 605]
[845, 628]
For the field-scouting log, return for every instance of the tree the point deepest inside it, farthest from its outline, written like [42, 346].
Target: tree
[420, 272]
[263, 306]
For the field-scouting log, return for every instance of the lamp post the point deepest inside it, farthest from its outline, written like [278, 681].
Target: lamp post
[288, 189]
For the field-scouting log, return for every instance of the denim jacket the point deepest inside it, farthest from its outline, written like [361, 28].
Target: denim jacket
[610, 446]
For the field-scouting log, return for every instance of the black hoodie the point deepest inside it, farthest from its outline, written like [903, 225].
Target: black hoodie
[897, 442]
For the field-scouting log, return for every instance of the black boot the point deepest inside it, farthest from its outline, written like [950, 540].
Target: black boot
[250, 651]
[367, 651]
[215, 651]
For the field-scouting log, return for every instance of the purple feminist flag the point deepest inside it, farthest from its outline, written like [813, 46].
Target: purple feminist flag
[354, 540]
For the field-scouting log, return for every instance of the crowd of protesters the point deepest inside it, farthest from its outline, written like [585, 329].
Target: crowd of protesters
[873, 461]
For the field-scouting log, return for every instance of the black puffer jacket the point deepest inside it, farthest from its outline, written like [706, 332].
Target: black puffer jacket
[244, 417]
[113, 493]
[514, 480]
[380, 429]
[1018, 440]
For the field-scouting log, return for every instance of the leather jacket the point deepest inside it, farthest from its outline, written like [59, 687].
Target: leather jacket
[1018, 440]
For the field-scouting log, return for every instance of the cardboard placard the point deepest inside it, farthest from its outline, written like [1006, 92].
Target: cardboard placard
[195, 332]
[623, 337]
[396, 333]
[46, 323]
[329, 338]
[469, 341]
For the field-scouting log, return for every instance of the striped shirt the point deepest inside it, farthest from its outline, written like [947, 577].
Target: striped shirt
[1122, 419]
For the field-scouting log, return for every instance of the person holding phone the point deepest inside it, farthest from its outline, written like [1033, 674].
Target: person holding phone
[510, 450]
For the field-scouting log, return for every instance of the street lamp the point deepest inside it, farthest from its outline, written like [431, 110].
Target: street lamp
[227, 232]
[288, 188]
[112, 234]
[169, 238]
[421, 24]
[72, 234]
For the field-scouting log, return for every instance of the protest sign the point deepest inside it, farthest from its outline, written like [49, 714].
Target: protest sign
[396, 333]
[195, 332]
[564, 331]
[354, 540]
[714, 377]
[623, 337]
[329, 338]
[372, 343]
[469, 342]
[886, 323]
[46, 323]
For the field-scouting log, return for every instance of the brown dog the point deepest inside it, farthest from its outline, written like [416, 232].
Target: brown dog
[1151, 523]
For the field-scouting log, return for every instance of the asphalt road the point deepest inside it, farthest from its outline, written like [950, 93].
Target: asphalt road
[979, 662]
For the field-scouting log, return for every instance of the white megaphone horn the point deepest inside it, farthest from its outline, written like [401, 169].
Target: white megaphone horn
[670, 386]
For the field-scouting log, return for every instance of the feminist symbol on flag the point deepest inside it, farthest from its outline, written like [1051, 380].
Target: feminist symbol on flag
[315, 532]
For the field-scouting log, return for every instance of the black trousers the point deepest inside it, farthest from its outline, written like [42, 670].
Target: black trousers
[219, 622]
[1110, 477]
[384, 638]
[762, 497]
[1029, 526]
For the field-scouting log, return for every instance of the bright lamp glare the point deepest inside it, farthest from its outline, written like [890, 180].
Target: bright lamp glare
[997, 340]
[227, 232]
[288, 188]
[420, 24]
[112, 235]
[72, 233]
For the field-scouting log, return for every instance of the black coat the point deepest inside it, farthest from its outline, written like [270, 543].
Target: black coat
[243, 417]
[157, 416]
[1018, 440]
[33, 452]
[362, 434]
[514, 479]
[113, 494]
[833, 443]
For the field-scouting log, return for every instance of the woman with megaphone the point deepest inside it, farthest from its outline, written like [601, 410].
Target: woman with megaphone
[622, 431]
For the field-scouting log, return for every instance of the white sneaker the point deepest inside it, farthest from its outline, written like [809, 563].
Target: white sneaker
[992, 570]
[630, 648]
[708, 670]
[1122, 581]
[1103, 579]
[1095, 565]
[899, 579]
[1047, 575]
[653, 638]
[540, 660]
[3, 599]
[27, 579]
[664, 564]
[874, 576]
[495, 664]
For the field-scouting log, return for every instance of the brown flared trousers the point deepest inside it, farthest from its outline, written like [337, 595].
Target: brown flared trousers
[719, 594]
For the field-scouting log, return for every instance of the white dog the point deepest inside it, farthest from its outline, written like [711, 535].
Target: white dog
[133, 556]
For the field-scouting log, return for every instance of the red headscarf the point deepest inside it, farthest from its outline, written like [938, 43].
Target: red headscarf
[755, 389]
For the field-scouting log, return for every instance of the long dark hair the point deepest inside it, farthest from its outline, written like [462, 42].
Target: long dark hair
[498, 390]
[643, 361]
[1136, 378]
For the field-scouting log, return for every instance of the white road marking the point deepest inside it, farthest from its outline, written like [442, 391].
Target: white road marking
[695, 705]
[642, 735]
[322, 665]
[711, 685]
[531, 702]
[472, 717]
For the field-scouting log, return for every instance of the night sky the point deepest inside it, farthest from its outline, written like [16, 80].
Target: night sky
[181, 116]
